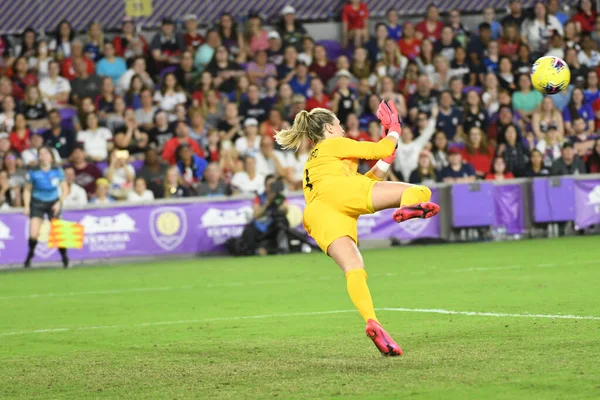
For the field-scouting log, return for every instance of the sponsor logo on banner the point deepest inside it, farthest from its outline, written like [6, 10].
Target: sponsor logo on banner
[594, 199]
[366, 224]
[222, 225]
[415, 226]
[107, 233]
[377, 226]
[168, 227]
[4, 236]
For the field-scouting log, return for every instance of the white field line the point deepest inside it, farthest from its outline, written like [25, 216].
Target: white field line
[489, 314]
[545, 265]
[267, 316]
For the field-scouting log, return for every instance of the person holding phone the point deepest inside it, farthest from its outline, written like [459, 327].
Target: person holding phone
[119, 173]
[44, 194]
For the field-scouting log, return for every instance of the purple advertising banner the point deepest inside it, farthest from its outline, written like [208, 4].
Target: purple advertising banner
[587, 203]
[190, 228]
[553, 199]
[381, 225]
[510, 209]
[473, 204]
[204, 227]
[110, 232]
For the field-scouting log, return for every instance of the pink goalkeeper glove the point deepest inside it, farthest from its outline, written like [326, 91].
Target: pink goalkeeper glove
[388, 116]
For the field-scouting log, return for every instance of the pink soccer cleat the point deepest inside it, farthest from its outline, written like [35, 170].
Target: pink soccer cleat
[419, 210]
[384, 343]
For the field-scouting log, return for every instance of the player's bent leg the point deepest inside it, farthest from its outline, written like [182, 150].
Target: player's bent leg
[34, 232]
[412, 199]
[346, 254]
[388, 194]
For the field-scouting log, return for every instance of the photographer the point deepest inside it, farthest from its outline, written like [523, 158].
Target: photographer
[267, 233]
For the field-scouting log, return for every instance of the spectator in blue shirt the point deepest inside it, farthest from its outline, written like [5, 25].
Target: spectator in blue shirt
[591, 92]
[478, 45]
[457, 171]
[111, 66]
[449, 119]
[391, 23]
[578, 107]
[94, 45]
[490, 62]
[553, 6]
[300, 83]
[191, 166]
[489, 16]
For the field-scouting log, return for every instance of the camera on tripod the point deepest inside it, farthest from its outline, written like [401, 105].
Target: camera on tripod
[277, 188]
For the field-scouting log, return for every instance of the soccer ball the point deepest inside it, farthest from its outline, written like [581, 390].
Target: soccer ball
[550, 75]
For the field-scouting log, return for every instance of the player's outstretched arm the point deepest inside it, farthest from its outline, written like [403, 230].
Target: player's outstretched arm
[390, 124]
[348, 148]
[391, 130]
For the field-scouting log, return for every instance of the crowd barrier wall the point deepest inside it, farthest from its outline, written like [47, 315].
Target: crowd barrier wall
[200, 226]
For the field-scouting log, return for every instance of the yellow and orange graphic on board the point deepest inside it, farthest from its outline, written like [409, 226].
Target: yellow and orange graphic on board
[65, 234]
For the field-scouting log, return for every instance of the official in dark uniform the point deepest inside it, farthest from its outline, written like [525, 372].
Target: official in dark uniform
[44, 193]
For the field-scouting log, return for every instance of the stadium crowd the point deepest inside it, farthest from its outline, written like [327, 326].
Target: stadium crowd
[185, 113]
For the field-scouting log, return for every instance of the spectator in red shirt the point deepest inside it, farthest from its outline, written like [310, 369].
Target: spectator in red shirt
[68, 65]
[431, 27]
[585, 19]
[256, 35]
[353, 131]
[409, 45]
[182, 136]
[273, 124]
[510, 41]
[19, 137]
[85, 174]
[318, 98]
[498, 170]
[129, 44]
[355, 17]
[20, 75]
[596, 108]
[321, 65]
[192, 38]
[477, 152]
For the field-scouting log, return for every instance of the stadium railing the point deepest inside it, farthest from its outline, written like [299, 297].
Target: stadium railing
[512, 209]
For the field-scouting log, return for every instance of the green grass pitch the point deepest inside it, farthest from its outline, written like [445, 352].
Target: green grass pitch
[284, 327]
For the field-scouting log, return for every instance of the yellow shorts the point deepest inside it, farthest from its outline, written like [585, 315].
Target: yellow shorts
[334, 212]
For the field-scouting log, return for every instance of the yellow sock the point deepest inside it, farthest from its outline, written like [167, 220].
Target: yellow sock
[356, 280]
[415, 194]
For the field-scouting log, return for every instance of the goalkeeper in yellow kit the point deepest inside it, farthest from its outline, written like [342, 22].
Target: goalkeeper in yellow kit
[336, 195]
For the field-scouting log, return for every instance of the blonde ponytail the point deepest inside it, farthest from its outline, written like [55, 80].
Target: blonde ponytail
[306, 125]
